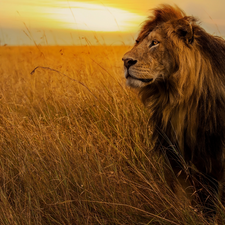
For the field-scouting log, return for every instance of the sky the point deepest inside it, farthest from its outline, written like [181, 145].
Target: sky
[111, 22]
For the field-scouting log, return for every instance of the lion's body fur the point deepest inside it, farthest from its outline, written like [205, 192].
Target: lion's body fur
[188, 105]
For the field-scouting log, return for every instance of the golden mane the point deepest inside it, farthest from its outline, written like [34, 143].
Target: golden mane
[187, 105]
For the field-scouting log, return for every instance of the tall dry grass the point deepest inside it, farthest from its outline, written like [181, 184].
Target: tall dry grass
[73, 153]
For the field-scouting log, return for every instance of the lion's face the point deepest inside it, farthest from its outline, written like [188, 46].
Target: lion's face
[149, 60]
[155, 56]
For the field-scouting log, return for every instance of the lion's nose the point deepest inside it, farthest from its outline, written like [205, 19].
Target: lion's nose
[129, 62]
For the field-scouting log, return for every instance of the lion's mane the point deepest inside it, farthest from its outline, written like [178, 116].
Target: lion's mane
[191, 111]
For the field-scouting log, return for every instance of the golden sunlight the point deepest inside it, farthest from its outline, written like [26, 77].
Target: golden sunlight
[94, 17]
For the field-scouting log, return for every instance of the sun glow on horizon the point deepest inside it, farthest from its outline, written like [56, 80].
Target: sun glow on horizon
[73, 15]
[66, 22]
[95, 17]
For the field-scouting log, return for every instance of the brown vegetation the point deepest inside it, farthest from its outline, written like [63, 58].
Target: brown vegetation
[71, 156]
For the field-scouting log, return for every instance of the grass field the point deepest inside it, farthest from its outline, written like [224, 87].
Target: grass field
[75, 144]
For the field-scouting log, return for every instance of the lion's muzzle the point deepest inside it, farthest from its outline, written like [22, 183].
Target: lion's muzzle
[128, 62]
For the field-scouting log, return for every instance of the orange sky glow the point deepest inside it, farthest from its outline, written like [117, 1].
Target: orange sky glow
[66, 22]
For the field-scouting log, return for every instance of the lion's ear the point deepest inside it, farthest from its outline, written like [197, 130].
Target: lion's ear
[184, 30]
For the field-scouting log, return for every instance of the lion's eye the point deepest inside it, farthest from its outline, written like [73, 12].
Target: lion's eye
[137, 41]
[154, 42]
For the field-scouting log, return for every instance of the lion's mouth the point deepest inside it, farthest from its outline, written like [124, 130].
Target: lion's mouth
[142, 80]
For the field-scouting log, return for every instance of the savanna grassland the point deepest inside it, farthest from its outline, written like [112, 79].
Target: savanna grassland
[75, 143]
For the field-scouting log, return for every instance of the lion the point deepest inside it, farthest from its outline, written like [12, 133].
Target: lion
[179, 70]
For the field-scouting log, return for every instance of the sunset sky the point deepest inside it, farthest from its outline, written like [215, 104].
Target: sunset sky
[113, 22]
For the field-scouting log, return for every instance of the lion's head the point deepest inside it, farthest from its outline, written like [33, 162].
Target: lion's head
[155, 56]
[162, 50]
